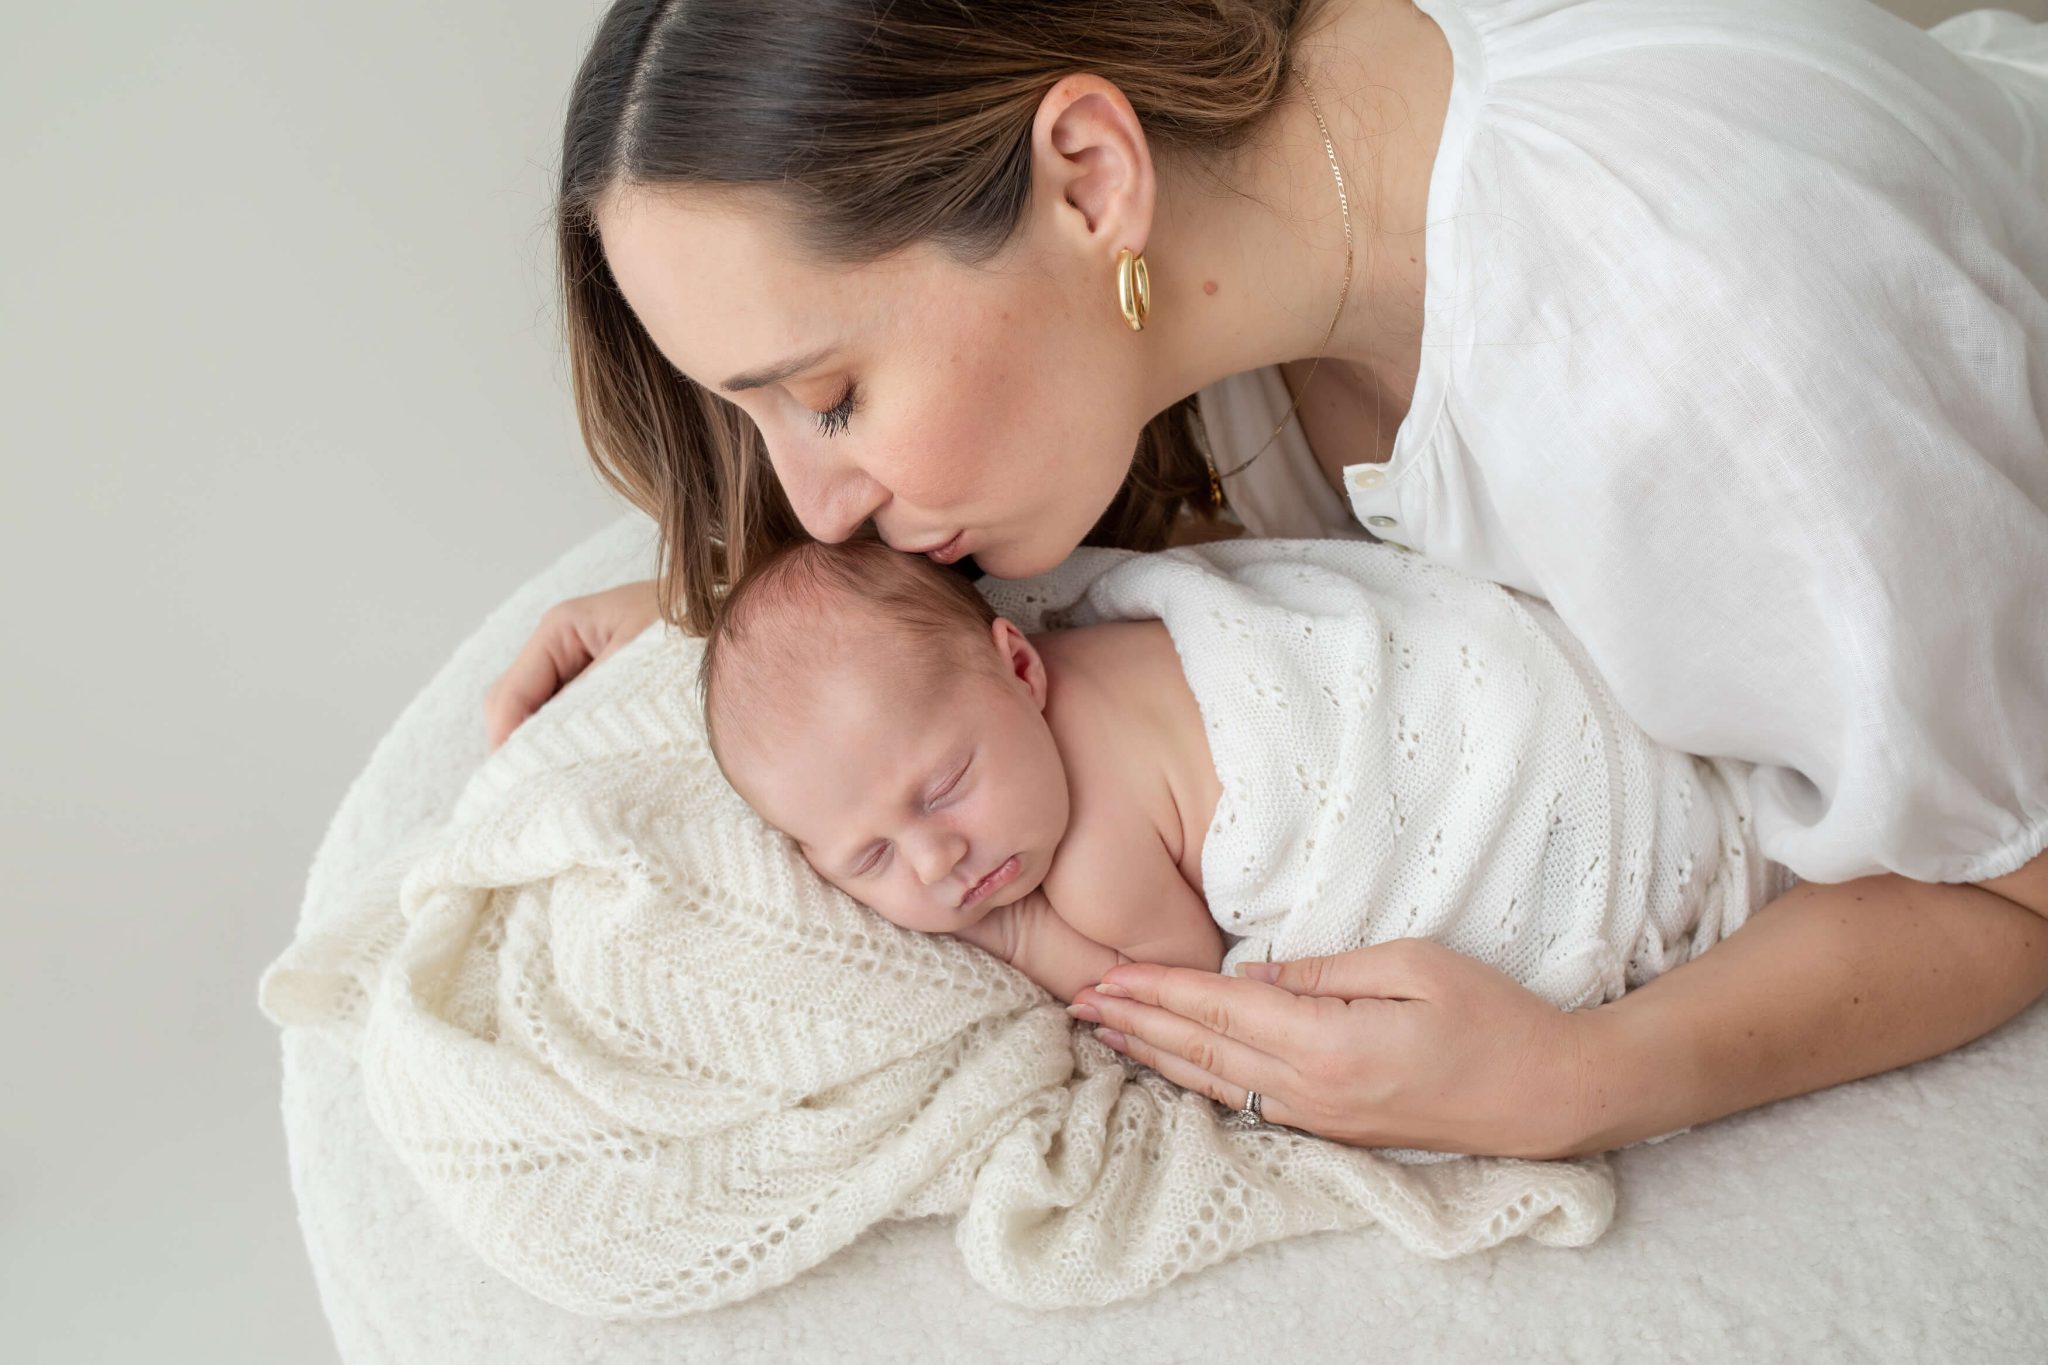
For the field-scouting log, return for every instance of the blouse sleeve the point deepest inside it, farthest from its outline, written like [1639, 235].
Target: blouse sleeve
[1762, 414]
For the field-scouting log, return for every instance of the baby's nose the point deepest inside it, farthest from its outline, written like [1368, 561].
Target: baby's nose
[938, 856]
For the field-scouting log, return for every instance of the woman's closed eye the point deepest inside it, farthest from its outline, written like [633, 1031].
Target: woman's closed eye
[833, 420]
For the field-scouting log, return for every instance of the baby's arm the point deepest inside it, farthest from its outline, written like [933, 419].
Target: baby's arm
[1116, 881]
[1031, 936]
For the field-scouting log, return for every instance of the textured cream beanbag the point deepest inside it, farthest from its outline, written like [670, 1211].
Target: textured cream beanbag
[575, 1049]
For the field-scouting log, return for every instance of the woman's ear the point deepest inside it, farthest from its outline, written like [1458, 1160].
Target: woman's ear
[1019, 659]
[1091, 168]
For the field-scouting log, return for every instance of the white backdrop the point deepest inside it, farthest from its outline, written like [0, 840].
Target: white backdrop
[283, 414]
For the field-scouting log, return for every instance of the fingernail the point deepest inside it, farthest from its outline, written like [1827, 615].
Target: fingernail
[1084, 1011]
[1111, 1037]
[1111, 988]
[1260, 971]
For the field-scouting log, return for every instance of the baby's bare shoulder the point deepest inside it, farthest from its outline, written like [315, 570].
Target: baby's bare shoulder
[1115, 879]
[1107, 676]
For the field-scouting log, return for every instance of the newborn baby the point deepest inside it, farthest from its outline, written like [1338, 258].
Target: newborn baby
[1263, 748]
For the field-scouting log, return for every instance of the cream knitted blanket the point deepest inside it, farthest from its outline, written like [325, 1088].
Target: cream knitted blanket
[646, 1064]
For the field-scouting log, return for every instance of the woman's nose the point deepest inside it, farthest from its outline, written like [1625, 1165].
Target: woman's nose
[935, 853]
[830, 497]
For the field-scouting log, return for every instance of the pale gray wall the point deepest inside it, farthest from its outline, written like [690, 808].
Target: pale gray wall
[283, 415]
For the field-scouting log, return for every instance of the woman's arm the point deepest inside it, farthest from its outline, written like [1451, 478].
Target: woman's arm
[1408, 1044]
[1826, 984]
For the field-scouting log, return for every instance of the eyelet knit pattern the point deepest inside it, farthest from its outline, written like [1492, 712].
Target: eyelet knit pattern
[1408, 752]
[647, 1064]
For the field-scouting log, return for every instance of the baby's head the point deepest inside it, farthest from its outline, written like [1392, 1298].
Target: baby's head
[871, 706]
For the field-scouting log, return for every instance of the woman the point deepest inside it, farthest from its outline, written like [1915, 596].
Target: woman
[1718, 325]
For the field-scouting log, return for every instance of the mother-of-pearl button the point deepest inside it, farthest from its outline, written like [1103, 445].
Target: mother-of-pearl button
[1381, 521]
[1361, 478]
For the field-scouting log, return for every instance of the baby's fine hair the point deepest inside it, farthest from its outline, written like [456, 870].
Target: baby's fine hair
[766, 634]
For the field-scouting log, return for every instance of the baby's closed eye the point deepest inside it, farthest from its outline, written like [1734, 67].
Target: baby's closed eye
[948, 784]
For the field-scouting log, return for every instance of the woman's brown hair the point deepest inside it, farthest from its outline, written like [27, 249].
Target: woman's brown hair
[884, 123]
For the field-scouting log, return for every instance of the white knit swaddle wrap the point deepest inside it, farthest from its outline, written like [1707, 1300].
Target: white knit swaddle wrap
[1408, 752]
[646, 1063]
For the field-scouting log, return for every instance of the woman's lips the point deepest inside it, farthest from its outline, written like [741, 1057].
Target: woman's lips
[993, 882]
[950, 551]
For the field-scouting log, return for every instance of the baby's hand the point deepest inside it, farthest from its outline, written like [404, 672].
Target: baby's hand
[1002, 929]
[1031, 936]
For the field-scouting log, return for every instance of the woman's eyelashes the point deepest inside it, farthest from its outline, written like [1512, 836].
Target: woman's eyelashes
[833, 420]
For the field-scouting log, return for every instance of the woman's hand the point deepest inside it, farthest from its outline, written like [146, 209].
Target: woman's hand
[1402, 1044]
[571, 636]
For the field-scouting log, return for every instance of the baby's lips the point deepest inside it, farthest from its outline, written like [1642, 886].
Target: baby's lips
[993, 882]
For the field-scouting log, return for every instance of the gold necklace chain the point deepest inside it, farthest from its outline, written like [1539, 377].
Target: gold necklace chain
[1343, 204]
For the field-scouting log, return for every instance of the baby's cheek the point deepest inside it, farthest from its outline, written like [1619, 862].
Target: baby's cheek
[862, 893]
[1050, 764]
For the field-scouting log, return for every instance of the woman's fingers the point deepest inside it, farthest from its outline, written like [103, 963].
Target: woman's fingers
[552, 655]
[1276, 1104]
[570, 637]
[1456, 1056]
[1271, 1021]
[1327, 1045]
[1213, 1034]
[1394, 970]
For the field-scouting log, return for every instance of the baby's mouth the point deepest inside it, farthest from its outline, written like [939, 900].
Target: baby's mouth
[993, 882]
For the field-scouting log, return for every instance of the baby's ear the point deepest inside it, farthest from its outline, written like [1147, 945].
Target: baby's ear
[1019, 659]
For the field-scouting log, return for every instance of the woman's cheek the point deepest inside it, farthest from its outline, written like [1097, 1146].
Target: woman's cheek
[966, 453]
[933, 466]
[983, 431]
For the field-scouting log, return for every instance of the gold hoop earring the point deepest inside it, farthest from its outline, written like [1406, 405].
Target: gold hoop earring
[1133, 288]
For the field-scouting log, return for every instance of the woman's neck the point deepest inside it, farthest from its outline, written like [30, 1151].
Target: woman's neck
[1248, 253]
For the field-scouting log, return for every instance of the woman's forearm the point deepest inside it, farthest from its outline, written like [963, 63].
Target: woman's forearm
[1826, 984]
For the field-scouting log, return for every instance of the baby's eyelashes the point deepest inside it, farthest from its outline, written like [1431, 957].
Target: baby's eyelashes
[946, 787]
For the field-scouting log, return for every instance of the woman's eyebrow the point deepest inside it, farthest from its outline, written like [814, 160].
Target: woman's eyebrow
[774, 374]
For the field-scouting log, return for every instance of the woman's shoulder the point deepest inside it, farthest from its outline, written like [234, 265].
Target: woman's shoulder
[1580, 83]
[1700, 176]
[1809, 196]
[1594, 89]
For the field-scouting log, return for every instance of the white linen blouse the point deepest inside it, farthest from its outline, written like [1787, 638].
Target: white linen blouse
[1736, 351]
